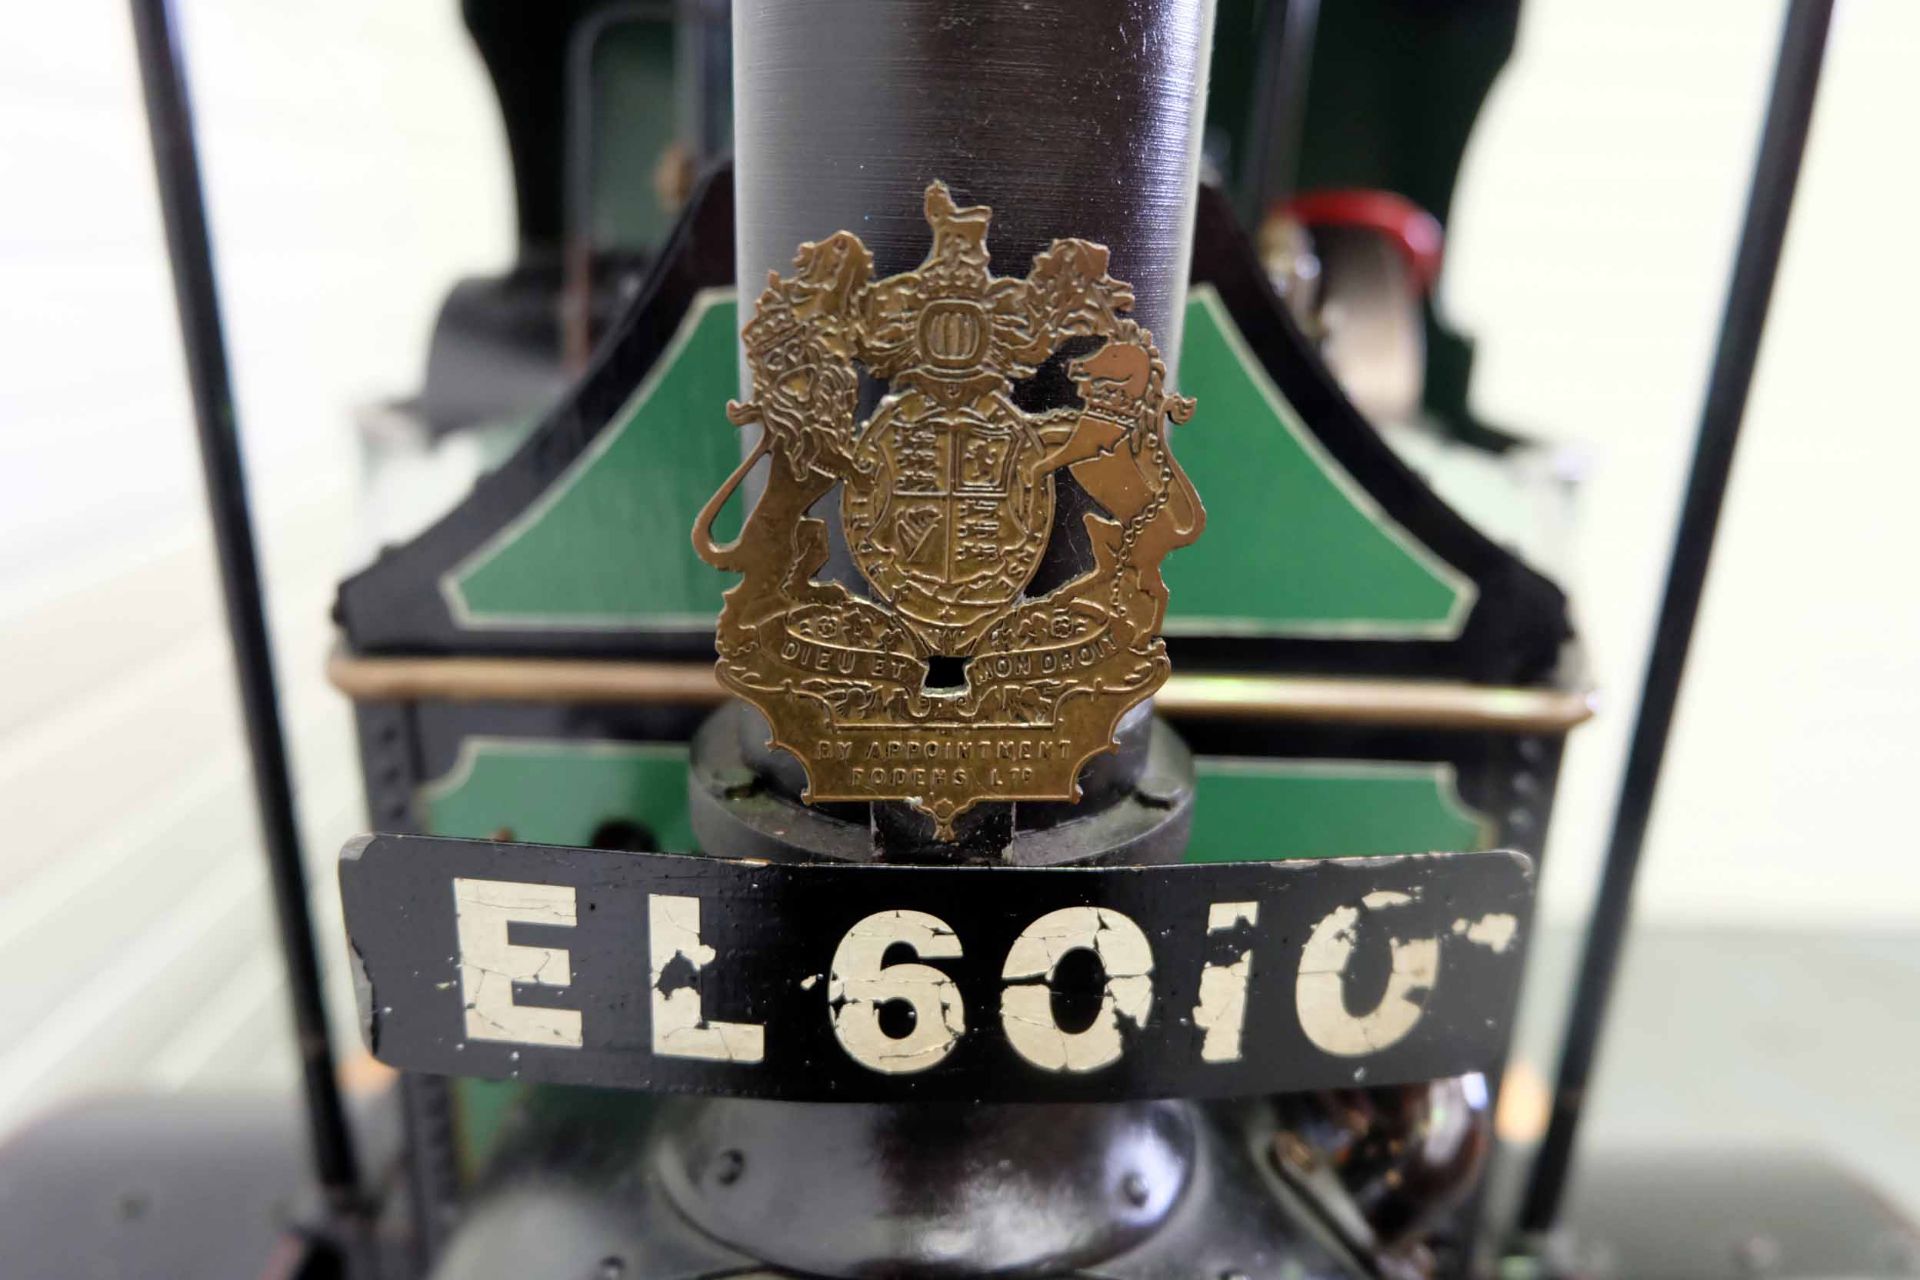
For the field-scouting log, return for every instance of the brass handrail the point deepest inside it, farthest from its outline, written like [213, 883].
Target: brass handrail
[1397, 703]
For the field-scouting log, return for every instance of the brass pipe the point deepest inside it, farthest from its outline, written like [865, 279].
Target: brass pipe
[1412, 704]
[1405, 704]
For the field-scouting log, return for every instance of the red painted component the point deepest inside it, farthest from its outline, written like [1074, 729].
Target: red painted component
[1416, 232]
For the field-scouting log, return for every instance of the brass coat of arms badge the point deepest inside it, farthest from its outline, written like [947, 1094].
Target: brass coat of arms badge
[946, 494]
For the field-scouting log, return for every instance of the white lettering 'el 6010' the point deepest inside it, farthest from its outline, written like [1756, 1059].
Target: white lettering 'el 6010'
[490, 965]
[1222, 1011]
[680, 1029]
[860, 983]
[1320, 991]
[1026, 1002]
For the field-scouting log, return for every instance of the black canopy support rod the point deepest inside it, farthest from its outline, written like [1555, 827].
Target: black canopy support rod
[1287, 29]
[1769, 200]
[183, 208]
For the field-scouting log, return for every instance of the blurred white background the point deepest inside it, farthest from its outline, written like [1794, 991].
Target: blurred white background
[355, 166]
[1591, 241]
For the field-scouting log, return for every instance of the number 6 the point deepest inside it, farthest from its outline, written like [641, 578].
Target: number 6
[860, 983]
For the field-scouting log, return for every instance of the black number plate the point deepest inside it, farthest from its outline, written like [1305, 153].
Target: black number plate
[873, 983]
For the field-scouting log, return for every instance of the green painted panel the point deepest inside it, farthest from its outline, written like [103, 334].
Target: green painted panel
[610, 543]
[632, 91]
[1258, 810]
[482, 1108]
[1293, 545]
[551, 793]
[560, 792]
[489, 1108]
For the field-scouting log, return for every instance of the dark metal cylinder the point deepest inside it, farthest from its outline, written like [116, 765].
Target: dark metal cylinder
[1067, 117]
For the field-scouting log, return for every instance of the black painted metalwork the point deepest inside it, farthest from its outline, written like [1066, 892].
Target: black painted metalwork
[1514, 633]
[766, 1177]
[1279, 105]
[1769, 202]
[780, 970]
[1069, 119]
[1518, 625]
[177, 170]
[392, 606]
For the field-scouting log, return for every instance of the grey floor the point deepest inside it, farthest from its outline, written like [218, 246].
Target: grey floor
[1747, 1040]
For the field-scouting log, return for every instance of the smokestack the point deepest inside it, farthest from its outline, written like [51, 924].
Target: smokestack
[1068, 118]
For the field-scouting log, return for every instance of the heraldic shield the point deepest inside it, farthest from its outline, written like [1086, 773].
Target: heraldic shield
[947, 498]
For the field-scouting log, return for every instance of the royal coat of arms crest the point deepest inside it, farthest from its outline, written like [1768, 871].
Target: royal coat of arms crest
[946, 496]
